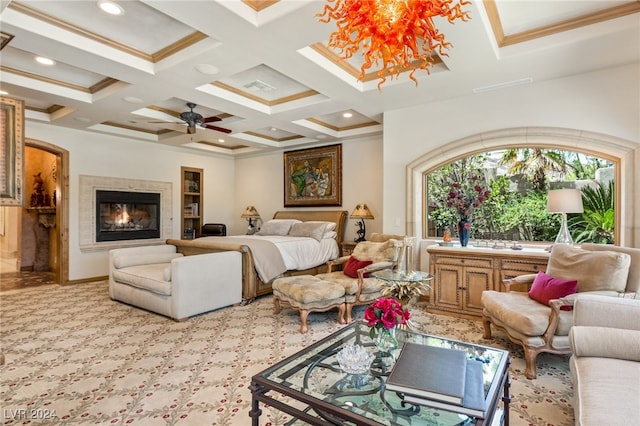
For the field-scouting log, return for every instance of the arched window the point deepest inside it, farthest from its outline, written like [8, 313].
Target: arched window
[502, 195]
[620, 152]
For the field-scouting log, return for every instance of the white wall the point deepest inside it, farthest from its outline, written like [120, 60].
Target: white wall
[606, 102]
[102, 155]
[259, 180]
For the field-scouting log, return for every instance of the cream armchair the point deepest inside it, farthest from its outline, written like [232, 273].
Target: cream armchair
[599, 269]
[381, 250]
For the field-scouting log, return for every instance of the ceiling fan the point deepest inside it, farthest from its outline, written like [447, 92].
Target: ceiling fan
[193, 118]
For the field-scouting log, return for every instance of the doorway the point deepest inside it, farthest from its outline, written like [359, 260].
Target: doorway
[35, 242]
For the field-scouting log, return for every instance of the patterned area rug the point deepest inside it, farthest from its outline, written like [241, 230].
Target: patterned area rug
[73, 356]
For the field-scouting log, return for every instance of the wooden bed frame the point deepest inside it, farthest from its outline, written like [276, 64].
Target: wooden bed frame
[252, 286]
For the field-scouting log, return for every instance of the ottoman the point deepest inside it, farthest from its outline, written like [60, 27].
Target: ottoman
[306, 293]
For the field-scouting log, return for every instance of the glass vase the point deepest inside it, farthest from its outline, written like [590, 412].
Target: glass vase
[386, 340]
[463, 231]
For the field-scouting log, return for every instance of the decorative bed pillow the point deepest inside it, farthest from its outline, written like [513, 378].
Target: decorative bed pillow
[545, 288]
[377, 252]
[331, 226]
[308, 229]
[329, 235]
[351, 267]
[594, 270]
[277, 227]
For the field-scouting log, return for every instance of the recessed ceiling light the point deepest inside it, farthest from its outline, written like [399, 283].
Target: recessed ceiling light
[221, 140]
[132, 100]
[45, 61]
[110, 7]
[347, 115]
[2, 92]
[273, 129]
[207, 69]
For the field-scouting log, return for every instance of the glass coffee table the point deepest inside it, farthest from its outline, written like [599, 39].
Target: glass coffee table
[311, 387]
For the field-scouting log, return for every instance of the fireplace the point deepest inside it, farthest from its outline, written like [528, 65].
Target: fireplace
[127, 215]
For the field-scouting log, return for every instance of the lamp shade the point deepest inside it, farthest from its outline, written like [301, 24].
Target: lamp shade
[362, 212]
[250, 213]
[564, 201]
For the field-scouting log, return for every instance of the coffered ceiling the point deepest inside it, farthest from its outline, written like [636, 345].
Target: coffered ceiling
[263, 69]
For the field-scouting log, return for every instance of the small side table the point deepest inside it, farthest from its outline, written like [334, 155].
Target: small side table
[347, 247]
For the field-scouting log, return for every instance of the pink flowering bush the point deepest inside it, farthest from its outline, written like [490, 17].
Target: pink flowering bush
[385, 313]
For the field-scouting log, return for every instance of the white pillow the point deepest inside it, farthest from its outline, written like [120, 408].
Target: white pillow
[331, 226]
[308, 229]
[276, 227]
[329, 235]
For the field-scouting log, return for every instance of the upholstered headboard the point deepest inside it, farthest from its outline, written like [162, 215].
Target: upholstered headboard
[337, 216]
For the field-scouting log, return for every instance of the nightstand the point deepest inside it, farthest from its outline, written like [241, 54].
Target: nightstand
[347, 247]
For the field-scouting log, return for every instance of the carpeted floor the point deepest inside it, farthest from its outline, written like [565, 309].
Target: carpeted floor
[75, 357]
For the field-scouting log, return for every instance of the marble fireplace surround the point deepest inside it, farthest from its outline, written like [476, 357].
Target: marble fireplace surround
[87, 221]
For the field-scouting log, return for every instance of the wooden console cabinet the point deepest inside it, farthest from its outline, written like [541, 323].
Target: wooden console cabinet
[463, 273]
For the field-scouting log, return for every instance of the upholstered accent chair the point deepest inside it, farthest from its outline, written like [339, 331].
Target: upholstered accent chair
[538, 327]
[374, 255]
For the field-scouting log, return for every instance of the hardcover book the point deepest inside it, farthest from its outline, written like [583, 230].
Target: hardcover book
[473, 403]
[429, 372]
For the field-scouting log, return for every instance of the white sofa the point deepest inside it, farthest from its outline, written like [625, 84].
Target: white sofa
[605, 365]
[159, 279]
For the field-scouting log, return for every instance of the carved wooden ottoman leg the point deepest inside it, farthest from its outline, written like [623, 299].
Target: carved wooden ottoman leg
[276, 305]
[303, 320]
[341, 312]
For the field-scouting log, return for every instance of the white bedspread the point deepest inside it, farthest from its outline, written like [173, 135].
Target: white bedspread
[297, 252]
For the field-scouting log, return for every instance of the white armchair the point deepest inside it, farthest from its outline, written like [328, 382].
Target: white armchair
[605, 365]
[159, 279]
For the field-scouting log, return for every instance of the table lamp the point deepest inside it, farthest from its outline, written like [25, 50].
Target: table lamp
[361, 212]
[252, 214]
[564, 201]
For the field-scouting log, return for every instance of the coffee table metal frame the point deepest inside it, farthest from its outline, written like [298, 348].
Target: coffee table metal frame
[275, 379]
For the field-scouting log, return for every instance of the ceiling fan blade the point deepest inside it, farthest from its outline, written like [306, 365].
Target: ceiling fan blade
[211, 119]
[219, 129]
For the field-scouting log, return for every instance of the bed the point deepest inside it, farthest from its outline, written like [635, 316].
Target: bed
[255, 281]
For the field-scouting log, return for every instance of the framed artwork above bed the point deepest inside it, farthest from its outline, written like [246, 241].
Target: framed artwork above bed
[313, 177]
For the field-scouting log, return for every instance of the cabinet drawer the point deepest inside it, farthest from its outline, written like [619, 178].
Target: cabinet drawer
[464, 261]
[526, 267]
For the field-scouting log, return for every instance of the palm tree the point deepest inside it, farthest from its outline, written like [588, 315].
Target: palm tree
[535, 163]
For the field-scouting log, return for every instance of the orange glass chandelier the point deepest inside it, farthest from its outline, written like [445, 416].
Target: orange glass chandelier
[400, 34]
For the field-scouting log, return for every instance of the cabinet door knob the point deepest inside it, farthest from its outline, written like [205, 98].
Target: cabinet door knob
[462, 261]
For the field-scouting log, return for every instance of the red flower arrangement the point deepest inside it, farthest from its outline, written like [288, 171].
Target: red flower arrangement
[385, 313]
[466, 196]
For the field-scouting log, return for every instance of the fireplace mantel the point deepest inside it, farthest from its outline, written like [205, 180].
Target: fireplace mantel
[87, 220]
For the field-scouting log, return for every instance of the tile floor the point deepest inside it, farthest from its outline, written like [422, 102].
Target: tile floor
[12, 279]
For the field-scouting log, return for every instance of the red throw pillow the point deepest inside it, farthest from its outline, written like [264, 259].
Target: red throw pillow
[351, 267]
[545, 288]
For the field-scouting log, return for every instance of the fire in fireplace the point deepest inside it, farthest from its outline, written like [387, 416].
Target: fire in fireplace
[122, 215]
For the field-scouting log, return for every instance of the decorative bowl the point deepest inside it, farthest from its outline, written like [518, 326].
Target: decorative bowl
[355, 359]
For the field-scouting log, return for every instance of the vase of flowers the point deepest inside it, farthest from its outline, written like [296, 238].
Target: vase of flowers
[464, 197]
[384, 316]
[463, 231]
